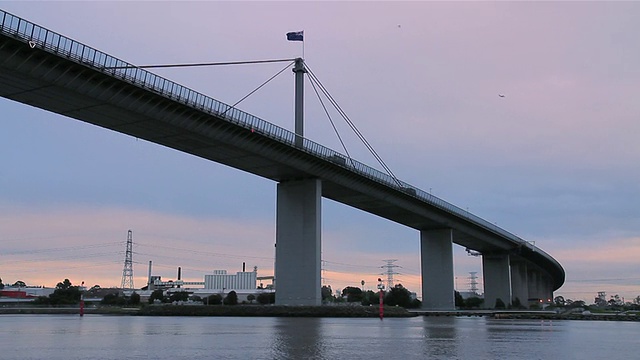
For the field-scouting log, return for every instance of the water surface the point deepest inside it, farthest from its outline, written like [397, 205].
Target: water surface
[58, 337]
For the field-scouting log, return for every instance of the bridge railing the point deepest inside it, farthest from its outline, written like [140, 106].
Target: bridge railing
[38, 37]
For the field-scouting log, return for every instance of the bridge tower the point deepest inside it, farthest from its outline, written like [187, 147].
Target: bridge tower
[299, 70]
[298, 224]
[127, 270]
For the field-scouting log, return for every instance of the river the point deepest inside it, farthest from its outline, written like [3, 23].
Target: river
[54, 337]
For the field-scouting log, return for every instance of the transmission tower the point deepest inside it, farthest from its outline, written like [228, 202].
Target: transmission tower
[127, 270]
[473, 282]
[390, 272]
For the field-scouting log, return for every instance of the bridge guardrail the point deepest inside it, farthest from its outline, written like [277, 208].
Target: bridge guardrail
[37, 36]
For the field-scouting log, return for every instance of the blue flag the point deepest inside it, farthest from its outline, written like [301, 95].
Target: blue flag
[295, 36]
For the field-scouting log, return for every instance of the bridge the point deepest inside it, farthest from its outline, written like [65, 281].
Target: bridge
[42, 68]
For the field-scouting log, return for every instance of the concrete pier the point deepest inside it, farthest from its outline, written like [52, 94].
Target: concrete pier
[298, 243]
[436, 248]
[519, 286]
[497, 279]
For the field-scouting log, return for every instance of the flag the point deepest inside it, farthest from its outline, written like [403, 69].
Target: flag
[295, 36]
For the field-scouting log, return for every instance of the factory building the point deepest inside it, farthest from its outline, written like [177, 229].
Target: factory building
[243, 282]
[220, 280]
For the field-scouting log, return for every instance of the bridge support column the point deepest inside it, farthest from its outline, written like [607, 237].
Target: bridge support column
[298, 225]
[540, 288]
[436, 250]
[497, 279]
[532, 285]
[519, 283]
[544, 288]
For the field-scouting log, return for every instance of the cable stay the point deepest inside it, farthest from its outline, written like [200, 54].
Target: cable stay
[353, 127]
[258, 88]
[344, 147]
[157, 66]
[316, 84]
[222, 63]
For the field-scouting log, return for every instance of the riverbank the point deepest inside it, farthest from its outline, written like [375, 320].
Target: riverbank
[311, 311]
[531, 315]
[574, 316]
[236, 310]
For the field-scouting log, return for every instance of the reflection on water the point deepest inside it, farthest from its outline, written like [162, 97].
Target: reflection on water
[297, 338]
[440, 337]
[58, 337]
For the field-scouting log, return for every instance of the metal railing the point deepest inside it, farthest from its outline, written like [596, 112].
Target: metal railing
[36, 36]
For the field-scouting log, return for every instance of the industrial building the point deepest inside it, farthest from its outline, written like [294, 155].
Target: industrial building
[220, 282]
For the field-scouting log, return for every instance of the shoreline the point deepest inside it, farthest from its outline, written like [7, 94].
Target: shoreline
[309, 311]
[218, 310]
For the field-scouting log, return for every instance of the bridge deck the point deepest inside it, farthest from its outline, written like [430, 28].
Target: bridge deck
[46, 70]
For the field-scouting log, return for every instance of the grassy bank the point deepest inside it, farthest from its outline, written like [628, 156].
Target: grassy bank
[236, 310]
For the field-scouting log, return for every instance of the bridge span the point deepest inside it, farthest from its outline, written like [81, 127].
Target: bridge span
[41, 68]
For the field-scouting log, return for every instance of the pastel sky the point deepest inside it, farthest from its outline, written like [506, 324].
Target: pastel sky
[554, 161]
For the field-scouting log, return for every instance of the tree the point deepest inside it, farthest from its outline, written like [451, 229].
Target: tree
[156, 294]
[327, 293]
[352, 293]
[370, 298]
[499, 304]
[250, 298]
[559, 301]
[114, 300]
[66, 284]
[179, 296]
[65, 295]
[215, 299]
[459, 301]
[134, 299]
[231, 298]
[42, 300]
[1, 284]
[399, 296]
[473, 302]
[578, 304]
[266, 298]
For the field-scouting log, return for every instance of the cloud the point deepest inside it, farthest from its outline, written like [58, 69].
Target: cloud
[95, 238]
[610, 265]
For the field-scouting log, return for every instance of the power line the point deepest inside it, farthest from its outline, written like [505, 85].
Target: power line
[104, 263]
[68, 248]
[57, 258]
[201, 252]
[350, 265]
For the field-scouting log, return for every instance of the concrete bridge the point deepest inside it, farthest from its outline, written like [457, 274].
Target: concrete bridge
[41, 68]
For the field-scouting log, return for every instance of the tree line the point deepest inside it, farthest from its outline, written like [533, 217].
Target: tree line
[396, 296]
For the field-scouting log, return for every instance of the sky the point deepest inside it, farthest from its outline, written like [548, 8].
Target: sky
[554, 161]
